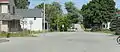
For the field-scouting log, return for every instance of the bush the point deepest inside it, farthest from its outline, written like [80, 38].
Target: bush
[117, 32]
[20, 34]
[113, 25]
[118, 27]
[95, 28]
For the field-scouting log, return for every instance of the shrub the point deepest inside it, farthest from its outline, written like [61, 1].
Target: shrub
[20, 34]
[118, 27]
[113, 25]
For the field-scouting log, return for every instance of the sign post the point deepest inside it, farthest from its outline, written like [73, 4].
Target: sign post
[63, 27]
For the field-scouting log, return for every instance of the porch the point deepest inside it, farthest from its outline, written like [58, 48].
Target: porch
[10, 26]
[9, 23]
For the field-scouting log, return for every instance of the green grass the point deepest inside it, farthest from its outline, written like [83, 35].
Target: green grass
[86, 30]
[82, 26]
[106, 31]
[21, 34]
[102, 31]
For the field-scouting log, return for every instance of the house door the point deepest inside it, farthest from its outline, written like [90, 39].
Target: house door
[13, 25]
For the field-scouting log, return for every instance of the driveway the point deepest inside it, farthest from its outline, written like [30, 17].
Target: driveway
[63, 42]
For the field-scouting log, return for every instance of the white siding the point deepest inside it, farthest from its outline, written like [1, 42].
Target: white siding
[108, 27]
[4, 26]
[37, 24]
[4, 8]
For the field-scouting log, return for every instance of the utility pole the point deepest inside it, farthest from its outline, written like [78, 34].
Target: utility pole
[57, 18]
[44, 15]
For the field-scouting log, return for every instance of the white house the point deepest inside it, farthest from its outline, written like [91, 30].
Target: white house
[33, 18]
[14, 20]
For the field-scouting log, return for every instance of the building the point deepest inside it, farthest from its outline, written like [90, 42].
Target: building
[8, 21]
[108, 24]
[13, 20]
[118, 13]
[33, 18]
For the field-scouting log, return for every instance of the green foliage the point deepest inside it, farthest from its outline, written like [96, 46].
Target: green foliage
[98, 12]
[113, 24]
[21, 4]
[20, 34]
[53, 12]
[117, 27]
[63, 21]
[73, 12]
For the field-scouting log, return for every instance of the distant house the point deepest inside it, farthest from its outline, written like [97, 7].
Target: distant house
[9, 22]
[11, 19]
[31, 15]
[118, 13]
[108, 25]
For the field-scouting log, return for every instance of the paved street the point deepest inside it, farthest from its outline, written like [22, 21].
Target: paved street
[63, 42]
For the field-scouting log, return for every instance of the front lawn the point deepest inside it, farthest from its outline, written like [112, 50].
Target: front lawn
[102, 31]
[21, 34]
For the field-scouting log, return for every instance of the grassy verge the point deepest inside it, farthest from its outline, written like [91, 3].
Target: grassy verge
[86, 30]
[82, 26]
[102, 31]
[21, 34]
[106, 31]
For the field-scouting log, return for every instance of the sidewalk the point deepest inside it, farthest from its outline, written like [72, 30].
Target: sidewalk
[4, 40]
[36, 34]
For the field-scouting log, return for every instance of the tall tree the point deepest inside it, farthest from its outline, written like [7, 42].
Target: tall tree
[63, 21]
[73, 12]
[98, 12]
[21, 4]
[53, 11]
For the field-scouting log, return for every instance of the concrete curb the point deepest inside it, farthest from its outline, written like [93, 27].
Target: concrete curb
[3, 40]
[35, 34]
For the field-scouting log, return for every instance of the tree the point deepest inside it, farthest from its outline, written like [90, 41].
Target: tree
[73, 12]
[53, 11]
[113, 24]
[63, 21]
[97, 12]
[117, 30]
[21, 4]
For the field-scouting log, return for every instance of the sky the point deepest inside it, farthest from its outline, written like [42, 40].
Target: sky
[78, 3]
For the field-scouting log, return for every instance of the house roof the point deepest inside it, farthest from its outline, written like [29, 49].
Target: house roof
[4, 1]
[29, 13]
[7, 16]
[118, 13]
[20, 13]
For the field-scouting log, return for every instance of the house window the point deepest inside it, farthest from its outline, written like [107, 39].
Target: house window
[4, 8]
[4, 22]
[9, 8]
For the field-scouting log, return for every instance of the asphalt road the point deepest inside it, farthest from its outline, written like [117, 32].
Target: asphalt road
[63, 42]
